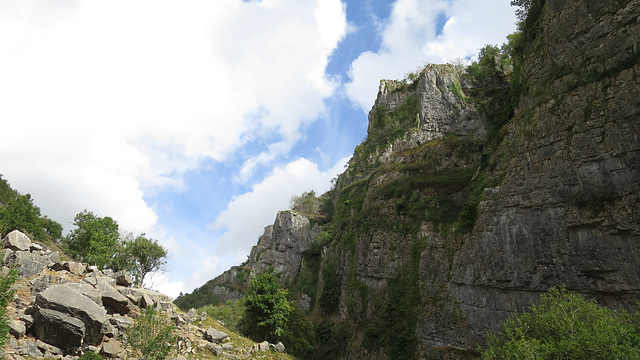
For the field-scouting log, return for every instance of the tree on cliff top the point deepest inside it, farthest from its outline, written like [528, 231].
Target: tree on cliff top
[566, 326]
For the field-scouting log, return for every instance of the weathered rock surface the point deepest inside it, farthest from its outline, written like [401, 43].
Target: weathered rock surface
[70, 306]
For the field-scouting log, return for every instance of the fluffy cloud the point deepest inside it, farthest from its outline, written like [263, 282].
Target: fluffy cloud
[410, 39]
[246, 215]
[104, 102]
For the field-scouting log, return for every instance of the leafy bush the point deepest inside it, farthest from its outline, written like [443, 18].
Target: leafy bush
[21, 214]
[566, 326]
[307, 203]
[6, 294]
[152, 336]
[266, 308]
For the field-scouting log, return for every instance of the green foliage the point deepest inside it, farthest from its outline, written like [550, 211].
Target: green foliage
[21, 214]
[329, 300]
[230, 313]
[94, 240]
[566, 326]
[307, 203]
[199, 297]
[139, 257]
[6, 295]
[396, 331]
[152, 336]
[266, 308]
[90, 355]
[332, 340]
[17, 212]
[299, 335]
[491, 66]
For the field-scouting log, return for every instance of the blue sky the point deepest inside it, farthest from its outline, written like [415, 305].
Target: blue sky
[196, 121]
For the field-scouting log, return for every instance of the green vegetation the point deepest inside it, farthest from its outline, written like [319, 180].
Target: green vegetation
[199, 297]
[266, 308]
[139, 257]
[6, 295]
[17, 212]
[152, 337]
[329, 300]
[307, 203]
[566, 326]
[96, 240]
[230, 313]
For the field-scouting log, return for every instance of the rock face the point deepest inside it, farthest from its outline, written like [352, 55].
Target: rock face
[282, 244]
[446, 223]
[280, 247]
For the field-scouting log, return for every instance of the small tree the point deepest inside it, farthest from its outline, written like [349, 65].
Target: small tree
[266, 308]
[94, 240]
[306, 203]
[146, 256]
[566, 326]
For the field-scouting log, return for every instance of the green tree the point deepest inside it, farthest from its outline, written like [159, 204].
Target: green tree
[145, 256]
[94, 240]
[306, 203]
[566, 326]
[21, 214]
[266, 308]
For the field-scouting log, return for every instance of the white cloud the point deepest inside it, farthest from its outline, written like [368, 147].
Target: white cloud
[410, 39]
[246, 215]
[104, 102]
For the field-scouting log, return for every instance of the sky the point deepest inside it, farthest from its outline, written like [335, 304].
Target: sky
[196, 121]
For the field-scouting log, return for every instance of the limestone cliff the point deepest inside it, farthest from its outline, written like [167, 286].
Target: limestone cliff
[455, 213]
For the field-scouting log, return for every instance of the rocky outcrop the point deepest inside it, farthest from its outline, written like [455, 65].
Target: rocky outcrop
[69, 308]
[280, 247]
[282, 244]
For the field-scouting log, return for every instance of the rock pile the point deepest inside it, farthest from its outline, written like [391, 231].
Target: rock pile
[62, 309]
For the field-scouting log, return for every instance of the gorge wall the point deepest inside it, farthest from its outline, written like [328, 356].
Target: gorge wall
[447, 219]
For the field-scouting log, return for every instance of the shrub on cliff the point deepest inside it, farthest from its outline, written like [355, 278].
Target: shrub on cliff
[266, 308]
[566, 326]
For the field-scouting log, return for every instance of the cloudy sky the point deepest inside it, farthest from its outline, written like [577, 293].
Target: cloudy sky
[195, 121]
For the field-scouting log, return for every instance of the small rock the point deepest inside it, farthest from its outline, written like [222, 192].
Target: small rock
[111, 349]
[123, 279]
[279, 347]
[216, 349]
[215, 336]
[17, 328]
[263, 346]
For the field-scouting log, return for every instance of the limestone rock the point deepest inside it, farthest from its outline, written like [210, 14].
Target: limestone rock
[215, 336]
[69, 304]
[59, 329]
[17, 241]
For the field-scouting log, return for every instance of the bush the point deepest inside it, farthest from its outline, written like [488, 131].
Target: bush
[566, 326]
[6, 294]
[266, 308]
[152, 336]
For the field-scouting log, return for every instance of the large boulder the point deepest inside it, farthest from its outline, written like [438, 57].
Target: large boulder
[59, 329]
[72, 305]
[17, 241]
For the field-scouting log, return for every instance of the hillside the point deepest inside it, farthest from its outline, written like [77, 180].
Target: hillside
[473, 195]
